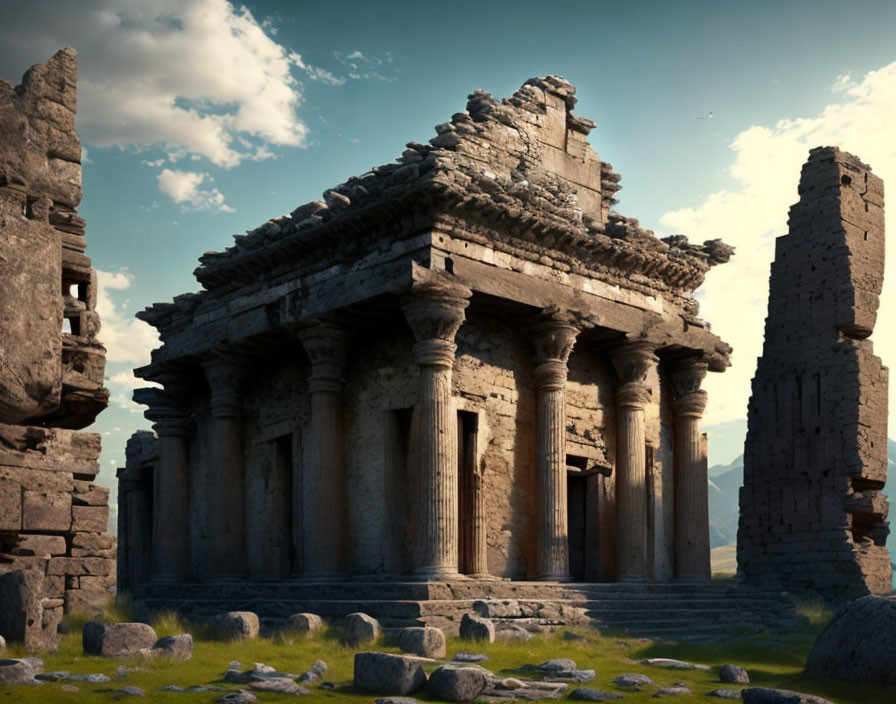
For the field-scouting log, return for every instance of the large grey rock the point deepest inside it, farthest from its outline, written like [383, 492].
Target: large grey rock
[314, 673]
[732, 674]
[305, 622]
[473, 627]
[22, 617]
[117, 640]
[758, 695]
[239, 624]
[17, 671]
[676, 690]
[281, 685]
[382, 673]
[859, 644]
[633, 681]
[178, 648]
[360, 628]
[556, 665]
[585, 694]
[453, 683]
[725, 693]
[427, 642]
[241, 696]
[672, 664]
[470, 657]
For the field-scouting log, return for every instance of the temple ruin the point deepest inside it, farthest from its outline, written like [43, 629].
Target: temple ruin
[55, 553]
[812, 513]
[458, 367]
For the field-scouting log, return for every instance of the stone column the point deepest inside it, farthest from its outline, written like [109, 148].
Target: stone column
[171, 489]
[691, 517]
[632, 361]
[323, 485]
[226, 469]
[479, 563]
[435, 311]
[554, 336]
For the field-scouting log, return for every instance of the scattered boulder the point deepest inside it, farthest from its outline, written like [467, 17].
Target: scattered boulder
[512, 631]
[359, 628]
[395, 700]
[671, 664]
[859, 644]
[758, 695]
[454, 683]
[281, 685]
[725, 693]
[53, 676]
[593, 695]
[23, 618]
[178, 648]
[382, 673]
[632, 681]
[117, 640]
[556, 665]
[732, 674]
[427, 642]
[16, 671]
[239, 624]
[473, 627]
[241, 696]
[470, 657]
[131, 691]
[93, 678]
[306, 623]
[676, 690]
[314, 673]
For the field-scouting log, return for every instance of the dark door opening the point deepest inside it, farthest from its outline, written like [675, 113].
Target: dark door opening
[576, 494]
[284, 488]
[467, 431]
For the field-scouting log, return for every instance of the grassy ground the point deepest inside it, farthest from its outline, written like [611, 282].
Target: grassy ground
[769, 664]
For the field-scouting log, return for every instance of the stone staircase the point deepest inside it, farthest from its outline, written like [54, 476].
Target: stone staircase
[643, 609]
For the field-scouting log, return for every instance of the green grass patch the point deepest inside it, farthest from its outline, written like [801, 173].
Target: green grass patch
[769, 664]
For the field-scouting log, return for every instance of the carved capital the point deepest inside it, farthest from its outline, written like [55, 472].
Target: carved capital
[687, 375]
[223, 373]
[553, 334]
[435, 309]
[326, 344]
[168, 411]
[632, 361]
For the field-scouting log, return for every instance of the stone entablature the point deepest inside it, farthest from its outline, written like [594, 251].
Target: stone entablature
[813, 514]
[53, 518]
[425, 402]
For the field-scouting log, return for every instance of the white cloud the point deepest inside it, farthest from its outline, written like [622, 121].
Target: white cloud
[188, 75]
[183, 188]
[363, 67]
[767, 162]
[126, 338]
[121, 388]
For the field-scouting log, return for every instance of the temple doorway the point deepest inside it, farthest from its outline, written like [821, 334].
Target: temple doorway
[467, 434]
[576, 511]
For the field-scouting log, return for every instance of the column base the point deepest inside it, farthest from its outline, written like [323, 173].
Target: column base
[554, 578]
[436, 573]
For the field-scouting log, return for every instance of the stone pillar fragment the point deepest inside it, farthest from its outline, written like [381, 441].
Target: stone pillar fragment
[554, 336]
[171, 489]
[435, 311]
[632, 361]
[227, 517]
[479, 561]
[691, 515]
[326, 344]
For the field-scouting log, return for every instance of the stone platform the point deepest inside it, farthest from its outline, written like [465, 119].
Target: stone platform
[641, 609]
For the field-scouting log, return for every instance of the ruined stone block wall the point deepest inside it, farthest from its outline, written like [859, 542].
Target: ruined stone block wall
[53, 518]
[813, 516]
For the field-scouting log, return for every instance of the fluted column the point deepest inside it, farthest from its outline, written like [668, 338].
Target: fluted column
[554, 336]
[632, 361]
[479, 561]
[323, 517]
[435, 311]
[171, 490]
[691, 518]
[226, 485]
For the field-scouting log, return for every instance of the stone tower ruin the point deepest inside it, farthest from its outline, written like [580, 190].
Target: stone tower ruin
[812, 511]
[55, 553]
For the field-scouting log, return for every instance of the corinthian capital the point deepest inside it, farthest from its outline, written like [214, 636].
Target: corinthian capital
[553, 334]
[326, 344]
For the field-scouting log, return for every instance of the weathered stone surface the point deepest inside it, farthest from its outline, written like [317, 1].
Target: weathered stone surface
[23, 618]
[427, 642]
[241, 696]
[733, 674]
[474, 627]
[381, 673]
[758, 695]
[306, 623]
[676, 690]
[633, 681]
[13, 671]
[470, 657]
[239, 624]
[281, 685]
[454, 683]
[359, 628]
[117, 640]
[813, 517]
[725, 693]
[556, 665]
[672, 664]
[178, 648]
[859, 644]
[314, 673]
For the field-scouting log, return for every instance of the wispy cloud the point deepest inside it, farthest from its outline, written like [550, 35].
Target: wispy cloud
[183, 187]
[362, 67]
[766, 167]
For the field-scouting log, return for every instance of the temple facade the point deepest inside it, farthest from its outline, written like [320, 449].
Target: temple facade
[460, 366]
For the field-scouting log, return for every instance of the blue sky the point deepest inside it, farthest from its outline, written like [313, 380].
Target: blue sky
[202, 119]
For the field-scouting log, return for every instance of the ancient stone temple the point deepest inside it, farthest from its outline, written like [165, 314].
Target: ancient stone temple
[812, 513]
[458, 367]
[53, 518]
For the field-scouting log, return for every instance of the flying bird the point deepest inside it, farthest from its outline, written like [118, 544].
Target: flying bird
[704, 117]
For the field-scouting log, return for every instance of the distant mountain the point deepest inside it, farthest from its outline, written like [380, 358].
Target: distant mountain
[724, 485]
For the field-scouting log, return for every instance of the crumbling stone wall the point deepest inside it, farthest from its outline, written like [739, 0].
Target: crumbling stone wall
[53, 518]
[813, 516]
